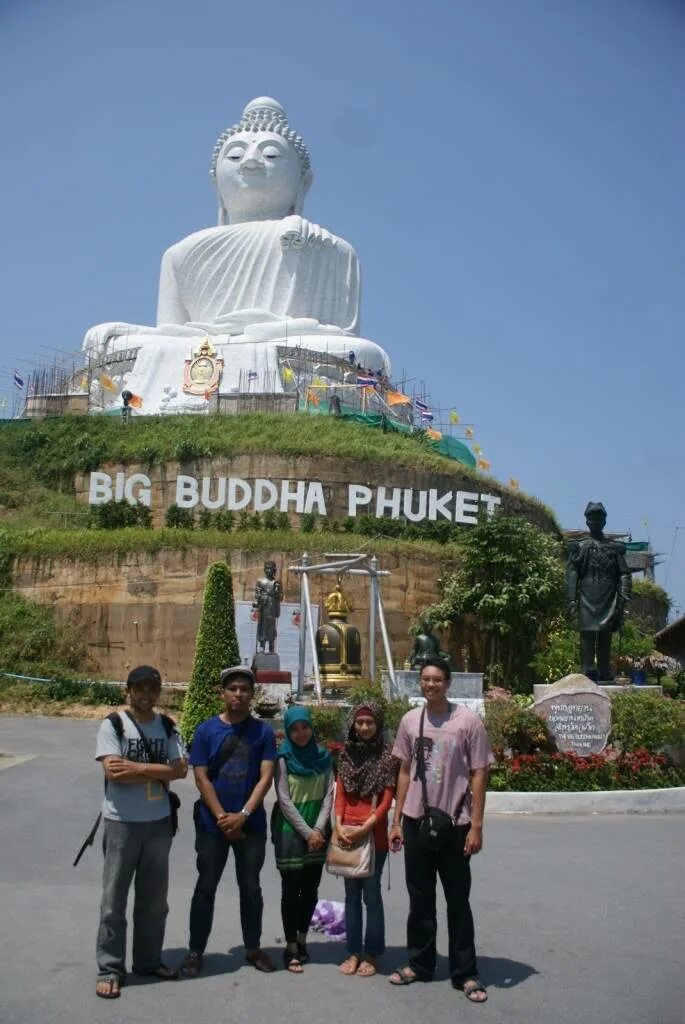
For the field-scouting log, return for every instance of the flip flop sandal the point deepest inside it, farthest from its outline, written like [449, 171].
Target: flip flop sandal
[405, 979]
[350, 966]
[469, 988]
[366, 969]
[114, 983]
[292, 962]
[261, 961]
[192, 965]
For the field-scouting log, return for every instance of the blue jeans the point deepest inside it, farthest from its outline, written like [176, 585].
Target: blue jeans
[370, 890]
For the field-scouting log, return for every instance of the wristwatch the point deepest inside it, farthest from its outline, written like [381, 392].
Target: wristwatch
[245, 813]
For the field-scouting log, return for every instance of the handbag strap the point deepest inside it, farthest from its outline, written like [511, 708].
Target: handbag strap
[421, 761]
[421, 772]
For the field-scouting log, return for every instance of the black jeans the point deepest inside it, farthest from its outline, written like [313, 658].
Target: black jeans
[212, 854]
[422, 867]
[299, 893]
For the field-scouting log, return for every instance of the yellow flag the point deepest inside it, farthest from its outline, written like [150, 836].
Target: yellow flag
[483, 463]
[288, 374]
[435, 435]
[454, 416]
[397, 398]
[469, 432]
[107, 383]
[83, 382]
[477, 449]
[318, 382]
[513, 483]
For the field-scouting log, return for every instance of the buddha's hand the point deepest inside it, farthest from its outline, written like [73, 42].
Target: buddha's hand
[298, 234]
[97, 338]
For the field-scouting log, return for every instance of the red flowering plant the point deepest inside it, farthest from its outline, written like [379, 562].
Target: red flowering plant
[569, 772]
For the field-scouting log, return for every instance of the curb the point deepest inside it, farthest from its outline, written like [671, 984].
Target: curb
[619, 801]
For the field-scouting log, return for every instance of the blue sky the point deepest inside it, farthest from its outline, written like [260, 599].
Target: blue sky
[510, 172]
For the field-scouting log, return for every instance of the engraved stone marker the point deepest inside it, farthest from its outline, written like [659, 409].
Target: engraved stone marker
[578, 715]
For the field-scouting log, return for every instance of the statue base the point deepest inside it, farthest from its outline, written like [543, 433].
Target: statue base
[162, 370]
[463, 685]
[265, 662]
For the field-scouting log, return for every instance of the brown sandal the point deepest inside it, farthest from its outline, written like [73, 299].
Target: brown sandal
[114, 990]
[192, 965]
[351, 965]
[261, 961]
[367, 968]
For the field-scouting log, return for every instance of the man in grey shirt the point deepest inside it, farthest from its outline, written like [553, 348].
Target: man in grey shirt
[141, 753]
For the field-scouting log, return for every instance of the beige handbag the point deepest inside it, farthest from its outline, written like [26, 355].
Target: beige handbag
[358, 861]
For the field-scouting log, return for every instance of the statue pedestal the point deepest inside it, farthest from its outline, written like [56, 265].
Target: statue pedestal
[463, 685]
[249, 366]
[265, 662]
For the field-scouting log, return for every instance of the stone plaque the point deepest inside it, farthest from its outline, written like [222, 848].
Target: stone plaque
[577, 713]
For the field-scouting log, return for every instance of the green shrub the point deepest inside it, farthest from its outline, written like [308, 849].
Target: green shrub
[75, 692]
[646, 720]
[329, 722]
[308, 521]
[187, 451]
[205, 519]
[216, 647]
[32, 642]
[223, 520]
[114, 515]
[514, 728]
[179, 518]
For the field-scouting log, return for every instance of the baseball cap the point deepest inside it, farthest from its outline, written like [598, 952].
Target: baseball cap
[143, 674]
[237, 670]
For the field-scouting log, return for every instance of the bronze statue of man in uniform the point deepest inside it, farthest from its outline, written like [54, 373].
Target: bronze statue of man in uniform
[267, 600]
[598, 586]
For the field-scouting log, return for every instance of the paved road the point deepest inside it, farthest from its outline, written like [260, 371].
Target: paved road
[578, 919]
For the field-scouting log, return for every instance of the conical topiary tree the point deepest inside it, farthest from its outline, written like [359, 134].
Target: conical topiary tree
[216, 647]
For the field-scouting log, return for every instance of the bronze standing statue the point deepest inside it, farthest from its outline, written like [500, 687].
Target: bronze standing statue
[598, 582]
[267, 600]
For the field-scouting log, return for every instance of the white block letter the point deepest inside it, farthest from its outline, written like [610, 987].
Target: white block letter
[207, 500]
[186, 491]
[119, 487]
[315, 497]
[414, 517]
[491, 501]
[393, 503]
[142, 497]
[234, 502]
[100, 489]
[357, 494]
[287, 495]
[436, 504]
[466, 507]
[265, 495]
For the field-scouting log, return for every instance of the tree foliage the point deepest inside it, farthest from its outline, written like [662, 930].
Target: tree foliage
[216, 647]
[510, 578]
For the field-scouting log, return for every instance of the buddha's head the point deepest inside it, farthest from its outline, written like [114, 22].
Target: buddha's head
[260, 167]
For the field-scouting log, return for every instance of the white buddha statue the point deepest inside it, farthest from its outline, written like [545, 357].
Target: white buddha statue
[265, 278]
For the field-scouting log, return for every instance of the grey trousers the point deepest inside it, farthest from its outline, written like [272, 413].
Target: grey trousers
[140, 849]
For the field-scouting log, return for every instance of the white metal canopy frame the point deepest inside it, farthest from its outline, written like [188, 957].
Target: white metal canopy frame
[348, 565]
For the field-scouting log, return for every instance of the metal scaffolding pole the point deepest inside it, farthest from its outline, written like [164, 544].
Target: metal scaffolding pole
[373, 607]
[304, 561]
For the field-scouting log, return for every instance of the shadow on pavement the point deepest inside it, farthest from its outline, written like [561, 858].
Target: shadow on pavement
[499, 972]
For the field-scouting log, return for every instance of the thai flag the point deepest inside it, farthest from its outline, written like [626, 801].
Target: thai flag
[420, 406]
[252, 375]
[366, 382]
[19, 381]
[427, 417]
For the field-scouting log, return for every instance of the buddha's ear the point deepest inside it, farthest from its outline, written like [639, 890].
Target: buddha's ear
[305, 183]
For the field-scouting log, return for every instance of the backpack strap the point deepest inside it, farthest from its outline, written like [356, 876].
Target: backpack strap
[115, 719]
[169, 725]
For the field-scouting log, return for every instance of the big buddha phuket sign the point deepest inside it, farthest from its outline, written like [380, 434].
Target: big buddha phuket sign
[300, 496]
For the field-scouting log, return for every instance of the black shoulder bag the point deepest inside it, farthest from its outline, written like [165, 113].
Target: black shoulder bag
[435, 825]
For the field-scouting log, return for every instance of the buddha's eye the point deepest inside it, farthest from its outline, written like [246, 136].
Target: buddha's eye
[270, 152]
[234, 153]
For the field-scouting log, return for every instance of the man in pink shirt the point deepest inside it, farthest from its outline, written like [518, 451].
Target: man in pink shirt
[445, 757]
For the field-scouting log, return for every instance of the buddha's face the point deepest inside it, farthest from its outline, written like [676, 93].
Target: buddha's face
[258, 176]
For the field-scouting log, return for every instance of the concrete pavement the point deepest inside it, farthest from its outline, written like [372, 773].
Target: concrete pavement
[578, 919]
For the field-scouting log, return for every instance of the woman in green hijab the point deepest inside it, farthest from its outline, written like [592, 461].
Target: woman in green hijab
[301, 828]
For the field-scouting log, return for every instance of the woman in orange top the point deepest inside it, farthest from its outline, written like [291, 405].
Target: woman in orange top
[365, 771]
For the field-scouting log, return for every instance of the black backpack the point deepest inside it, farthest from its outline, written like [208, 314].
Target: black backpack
[174, 801]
